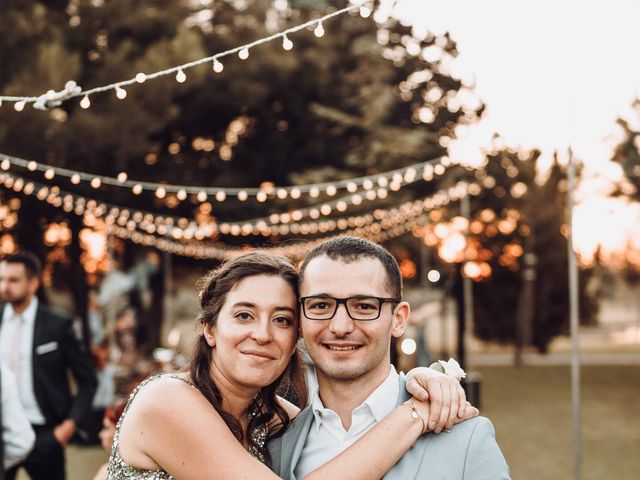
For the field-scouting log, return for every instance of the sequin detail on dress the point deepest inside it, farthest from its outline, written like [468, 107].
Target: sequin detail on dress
[118, 469]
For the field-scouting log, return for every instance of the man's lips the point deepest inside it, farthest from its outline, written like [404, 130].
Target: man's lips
[341, 347]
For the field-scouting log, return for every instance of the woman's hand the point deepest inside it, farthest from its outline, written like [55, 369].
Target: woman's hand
[447, 400]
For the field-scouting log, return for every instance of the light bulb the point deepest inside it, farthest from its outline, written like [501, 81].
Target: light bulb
[85, 102]
[319, 30]
[243, 54]
[75, 179]
[141, 77]
[181, 77]
[19, 106]
[217, 66]
[287, 44]
[121, 93]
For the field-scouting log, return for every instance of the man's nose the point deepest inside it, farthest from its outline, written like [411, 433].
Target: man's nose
[341, 323]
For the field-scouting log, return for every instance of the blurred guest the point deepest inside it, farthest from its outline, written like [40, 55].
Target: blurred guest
[17, 435]
[96, 322]
[40, 346]
[111, 417]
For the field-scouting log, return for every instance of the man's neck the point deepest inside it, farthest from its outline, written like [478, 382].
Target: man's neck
[20, 307]
[344, 396]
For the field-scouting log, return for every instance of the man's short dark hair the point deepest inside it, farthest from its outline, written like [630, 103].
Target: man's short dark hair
[349, 249]
[31, 263]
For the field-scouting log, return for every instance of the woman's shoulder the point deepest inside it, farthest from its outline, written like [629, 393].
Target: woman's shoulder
[164, 391]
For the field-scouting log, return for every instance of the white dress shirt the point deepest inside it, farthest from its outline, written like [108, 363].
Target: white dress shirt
[24, 374]
[327, 437]
[17, 433]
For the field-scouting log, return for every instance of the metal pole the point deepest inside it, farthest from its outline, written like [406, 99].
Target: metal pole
[574, 324]
[467, 286]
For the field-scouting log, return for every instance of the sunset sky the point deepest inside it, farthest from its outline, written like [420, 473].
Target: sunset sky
[552, 73]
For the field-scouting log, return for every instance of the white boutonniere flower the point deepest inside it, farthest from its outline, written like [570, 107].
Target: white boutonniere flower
[450, 368]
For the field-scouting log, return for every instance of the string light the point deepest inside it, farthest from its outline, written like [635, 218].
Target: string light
[287, 44]
[52, 98]
[121, 93]
[319, 30]
[395, 180]
[181, 77]
[218, 67]
[85, 102]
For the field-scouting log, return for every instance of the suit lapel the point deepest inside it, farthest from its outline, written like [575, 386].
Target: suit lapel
[293, 442]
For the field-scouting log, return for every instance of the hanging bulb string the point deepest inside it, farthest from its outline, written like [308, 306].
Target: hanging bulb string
[420, 171]
[71, 90]
[277, 224]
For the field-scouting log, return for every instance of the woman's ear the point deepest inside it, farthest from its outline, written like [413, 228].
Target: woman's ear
[208, 335]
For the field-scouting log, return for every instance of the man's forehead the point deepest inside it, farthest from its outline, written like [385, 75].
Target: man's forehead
[14, 269]
[361, 276]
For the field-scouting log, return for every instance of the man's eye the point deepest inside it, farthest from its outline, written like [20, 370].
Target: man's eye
[365, 306]
[320, 305]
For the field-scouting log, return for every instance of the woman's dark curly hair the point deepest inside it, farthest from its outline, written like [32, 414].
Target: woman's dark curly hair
[214, 289]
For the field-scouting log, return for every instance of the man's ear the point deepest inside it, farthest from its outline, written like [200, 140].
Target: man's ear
[401, 315]
[207, 331]
[34, 285]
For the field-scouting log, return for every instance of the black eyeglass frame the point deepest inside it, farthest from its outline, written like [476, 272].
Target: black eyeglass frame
[343, 301]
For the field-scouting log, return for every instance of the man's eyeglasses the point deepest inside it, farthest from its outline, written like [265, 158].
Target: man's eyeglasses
[358, 308]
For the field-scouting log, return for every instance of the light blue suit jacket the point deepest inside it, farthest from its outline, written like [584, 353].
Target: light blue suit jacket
[468, 452]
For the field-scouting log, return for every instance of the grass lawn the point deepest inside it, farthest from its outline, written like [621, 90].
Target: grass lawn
[531, 410]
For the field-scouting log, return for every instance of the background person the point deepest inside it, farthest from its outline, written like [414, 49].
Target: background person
[40, 346]
[17, 435]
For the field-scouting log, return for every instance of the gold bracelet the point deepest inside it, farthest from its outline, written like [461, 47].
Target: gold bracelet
[415, 414]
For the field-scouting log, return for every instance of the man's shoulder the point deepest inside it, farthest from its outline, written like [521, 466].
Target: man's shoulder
[295, 429]
[54, 314]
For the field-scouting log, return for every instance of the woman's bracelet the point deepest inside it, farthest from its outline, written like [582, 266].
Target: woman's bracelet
[416, 415]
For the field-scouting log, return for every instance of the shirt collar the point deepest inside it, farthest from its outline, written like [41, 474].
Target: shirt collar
[28, 315]
[380, 403]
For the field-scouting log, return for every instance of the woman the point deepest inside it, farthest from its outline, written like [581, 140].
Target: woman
[215, 421]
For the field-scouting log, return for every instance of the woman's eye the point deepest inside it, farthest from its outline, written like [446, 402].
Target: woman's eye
[283, 320]
[243, 316]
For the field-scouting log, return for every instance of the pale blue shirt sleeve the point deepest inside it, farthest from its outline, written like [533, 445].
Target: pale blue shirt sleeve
[17, 433]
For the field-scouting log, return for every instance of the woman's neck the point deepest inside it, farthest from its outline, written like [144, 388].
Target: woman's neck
[235, 399]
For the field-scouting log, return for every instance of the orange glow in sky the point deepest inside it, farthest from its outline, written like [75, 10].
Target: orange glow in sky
[553, 74]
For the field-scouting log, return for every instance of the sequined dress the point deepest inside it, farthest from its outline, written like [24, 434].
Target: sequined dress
[118, 469]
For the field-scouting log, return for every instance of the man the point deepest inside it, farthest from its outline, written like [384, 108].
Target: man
[351, 293]
[40, 346]
[17, 437]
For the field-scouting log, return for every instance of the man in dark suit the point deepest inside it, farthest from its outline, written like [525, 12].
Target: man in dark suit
[39, 344]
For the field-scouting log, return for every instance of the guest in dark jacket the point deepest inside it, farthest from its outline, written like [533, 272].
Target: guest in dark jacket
[39, 344]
